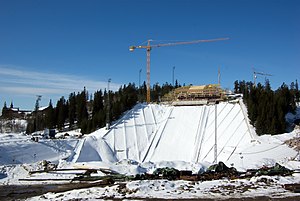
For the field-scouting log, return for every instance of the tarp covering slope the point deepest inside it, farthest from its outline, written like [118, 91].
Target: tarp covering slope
[168, 133]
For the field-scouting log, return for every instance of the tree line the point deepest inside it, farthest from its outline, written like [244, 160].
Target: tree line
[91, 112]
[267, 108]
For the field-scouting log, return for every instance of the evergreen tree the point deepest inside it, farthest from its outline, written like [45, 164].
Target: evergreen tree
[166, 88]
[81, 108]
[297, 93]
[176, 84]
[72, 109]
[98, 103]
[30, 126]
[266, 108]
[236, 87]
[156, 93]
[60, 113]
[50, 116]
[143, 92]
[5, 111]
[98, 113]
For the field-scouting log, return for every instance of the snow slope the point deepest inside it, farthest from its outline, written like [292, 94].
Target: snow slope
[156, 133]
[168, 133]
[190, 133]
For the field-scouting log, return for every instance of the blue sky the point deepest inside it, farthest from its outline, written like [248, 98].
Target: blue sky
[55, 47]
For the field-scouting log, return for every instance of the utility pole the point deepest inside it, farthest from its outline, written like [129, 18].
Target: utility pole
[108, 107]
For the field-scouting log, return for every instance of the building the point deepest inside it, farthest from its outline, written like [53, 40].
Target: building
[14, 113]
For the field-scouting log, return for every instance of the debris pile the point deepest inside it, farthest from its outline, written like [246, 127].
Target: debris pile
[219, 171]
[214, 172]
[166, 173]
[272, 171]
[294, 143]
[46, 165]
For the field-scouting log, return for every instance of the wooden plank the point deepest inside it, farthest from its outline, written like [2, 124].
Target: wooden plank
[44, 179]
[60, 170]
[293, 187]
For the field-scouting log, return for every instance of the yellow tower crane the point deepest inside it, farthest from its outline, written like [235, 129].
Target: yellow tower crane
[148, 47]
[255, 73]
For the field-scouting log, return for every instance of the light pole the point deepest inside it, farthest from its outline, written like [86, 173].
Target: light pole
[140, 78]
[140, 92]
[216, 136]
[108, 106]
[173, 74]
[37, 107]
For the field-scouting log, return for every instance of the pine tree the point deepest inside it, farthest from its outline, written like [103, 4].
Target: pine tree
[98, 103]
[81, 108]
[97, 112]
[267, 86]
[50, 116]
[61, 112]
[236, 87]
[176, 84]
[30, 126]
[5, 111]
[297, 95]
[72, 109]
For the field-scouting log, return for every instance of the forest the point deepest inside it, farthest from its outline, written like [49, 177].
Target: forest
[90, 112]
[267, 108]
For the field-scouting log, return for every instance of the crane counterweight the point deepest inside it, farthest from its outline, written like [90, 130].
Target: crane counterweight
[131, 48]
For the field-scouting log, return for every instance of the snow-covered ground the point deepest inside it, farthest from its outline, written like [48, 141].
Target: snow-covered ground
[152, 136]
[256, 187]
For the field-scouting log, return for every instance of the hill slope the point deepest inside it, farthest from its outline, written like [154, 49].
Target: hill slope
[168, 133]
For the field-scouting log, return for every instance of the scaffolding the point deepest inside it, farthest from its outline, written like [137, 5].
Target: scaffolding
[191, 93]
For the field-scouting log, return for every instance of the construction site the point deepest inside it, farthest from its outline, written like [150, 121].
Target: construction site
[195, 95]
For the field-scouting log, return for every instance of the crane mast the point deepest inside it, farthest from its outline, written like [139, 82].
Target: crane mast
[148, 72]
[149, 47]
